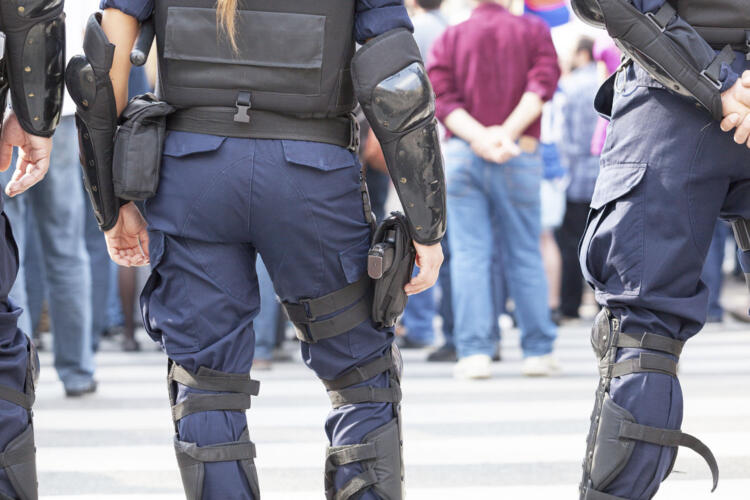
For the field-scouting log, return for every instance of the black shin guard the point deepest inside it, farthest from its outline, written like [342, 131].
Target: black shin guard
[235, 391]
[380, 453]
[614, 431]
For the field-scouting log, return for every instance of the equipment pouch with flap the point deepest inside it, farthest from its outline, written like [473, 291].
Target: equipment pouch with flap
[139, 142]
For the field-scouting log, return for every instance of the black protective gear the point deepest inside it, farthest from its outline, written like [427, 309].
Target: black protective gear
[220, 391]
[392, 86]
[35, 51]
[669, 48]
[90, 86]
[18, 459]
[380, 453]
[613, 430]
[741, 228]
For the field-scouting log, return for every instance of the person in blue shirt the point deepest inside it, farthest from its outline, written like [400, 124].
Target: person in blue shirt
[259, 159]
[669, 169]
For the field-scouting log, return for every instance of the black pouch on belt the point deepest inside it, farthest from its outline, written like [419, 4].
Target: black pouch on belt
[390, 264]
[139, 142]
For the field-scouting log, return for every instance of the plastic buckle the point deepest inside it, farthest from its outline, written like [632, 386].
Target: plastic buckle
[353, 133]
[652, 17]
[243, 105]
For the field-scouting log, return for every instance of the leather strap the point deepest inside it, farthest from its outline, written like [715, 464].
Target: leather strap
[643, 363]
[308, 310]
[312, 332]
[365, 394]
[651, 341]
[21, 399]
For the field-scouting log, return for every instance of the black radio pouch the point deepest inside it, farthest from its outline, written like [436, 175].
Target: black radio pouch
[390, 263]
[139, 143]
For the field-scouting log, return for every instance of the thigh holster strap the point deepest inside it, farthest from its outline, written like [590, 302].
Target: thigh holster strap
[365, 394]
[643, 363]
[306, 313]
[592, 494]
[237, 390]
[22, 399]
[18, 461]
[359, 374]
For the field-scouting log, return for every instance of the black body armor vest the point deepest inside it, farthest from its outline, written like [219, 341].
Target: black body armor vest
[289, 77]
[719, 22]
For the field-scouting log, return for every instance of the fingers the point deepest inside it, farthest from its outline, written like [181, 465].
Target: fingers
[730, 121]
[26, 175]
[429, 259]
[742, 133]
[746, 79]
[143, 241]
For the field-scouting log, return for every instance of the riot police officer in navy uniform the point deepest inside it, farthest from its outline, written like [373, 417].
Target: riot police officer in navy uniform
[668, 171]
[259, 158]
[32, 48]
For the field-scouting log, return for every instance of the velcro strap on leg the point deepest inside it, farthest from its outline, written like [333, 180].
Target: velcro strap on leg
[592, 494]
[227, 452]
[365, 394]
[673, 438]
[359, 374]
[24, 400]
[356, 484]
[650, 341]
[308, 310]
[211, 380]
[643, 363]
[314, 331]
[343, 455]
[196, 403]
[17, 456]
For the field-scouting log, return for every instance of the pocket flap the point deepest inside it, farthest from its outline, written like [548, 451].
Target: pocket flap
[616, 180]
[179, 144]
[317, 155]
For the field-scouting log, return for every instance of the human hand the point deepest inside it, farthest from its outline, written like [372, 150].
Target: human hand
[429, 260]
[127, 241]
[495, 145]
[33, 155]
[736, 109]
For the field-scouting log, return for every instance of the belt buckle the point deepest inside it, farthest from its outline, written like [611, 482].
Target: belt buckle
[353, 133]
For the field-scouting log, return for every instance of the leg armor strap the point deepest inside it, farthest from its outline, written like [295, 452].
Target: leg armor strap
[239, 387]
[18, 459]
[305, 314]
[236, 392]
[614, 430]
[341, 396]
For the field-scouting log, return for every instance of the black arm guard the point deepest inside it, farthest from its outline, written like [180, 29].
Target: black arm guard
[3, 77]
[672, 57]
[88, 82]
[35, 48]
[396, 96]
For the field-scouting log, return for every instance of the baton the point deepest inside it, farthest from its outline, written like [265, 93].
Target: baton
[143, 43]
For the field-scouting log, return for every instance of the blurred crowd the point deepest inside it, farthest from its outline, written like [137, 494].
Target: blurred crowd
[515, 99]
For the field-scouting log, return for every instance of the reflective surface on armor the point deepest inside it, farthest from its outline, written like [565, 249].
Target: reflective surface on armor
[420, 189]
[36, 8]
[91, 178]
[45, 42]
[589, 11]
[83, 91]
[404, 99]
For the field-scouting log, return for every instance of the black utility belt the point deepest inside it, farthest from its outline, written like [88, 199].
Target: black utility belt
[718, 38]
[342, 131]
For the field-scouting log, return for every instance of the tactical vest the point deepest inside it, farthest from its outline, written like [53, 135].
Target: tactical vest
[720, 22]
[288, 77]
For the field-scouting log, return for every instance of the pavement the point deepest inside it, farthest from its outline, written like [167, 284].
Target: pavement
[508, 438]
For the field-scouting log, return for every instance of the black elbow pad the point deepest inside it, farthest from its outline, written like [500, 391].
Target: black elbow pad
[89, 84]
[392, 86]
[35, 49]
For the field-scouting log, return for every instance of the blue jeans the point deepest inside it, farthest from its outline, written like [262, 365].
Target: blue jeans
[477, 191]
[56, 205]
[268, 317]
[712, 274]
[418, 315]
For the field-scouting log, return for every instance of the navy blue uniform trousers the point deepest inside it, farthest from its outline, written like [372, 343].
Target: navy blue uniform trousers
[14, 348]
[667, 173]
[220, 202]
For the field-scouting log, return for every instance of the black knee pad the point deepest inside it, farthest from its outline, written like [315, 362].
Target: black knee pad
[614, 431]
[380, 453]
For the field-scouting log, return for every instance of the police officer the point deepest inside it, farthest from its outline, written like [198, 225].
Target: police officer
[667, 172]
[32, 48]
[259, 159]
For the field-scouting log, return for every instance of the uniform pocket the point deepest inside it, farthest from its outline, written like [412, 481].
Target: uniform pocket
[613, 242]
[163, 294]
[181, 144]
[317, 155]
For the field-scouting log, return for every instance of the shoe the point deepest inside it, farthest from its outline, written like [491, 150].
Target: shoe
[444, 353]
[474, 367]
[405, 343]
[130, 345]
[498, 356]
[262, 365]
[540, 366]
[740, 315]
[78, 390]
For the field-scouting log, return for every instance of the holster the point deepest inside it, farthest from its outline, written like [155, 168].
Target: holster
[139, 143]
[390, 263]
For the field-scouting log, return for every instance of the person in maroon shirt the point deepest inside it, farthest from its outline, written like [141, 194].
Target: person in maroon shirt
[491, 75]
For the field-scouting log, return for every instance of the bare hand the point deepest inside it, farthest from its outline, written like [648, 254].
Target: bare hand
[429, 260]
[736, 109]
[127, 242]
[33, 155]
[495, 145]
